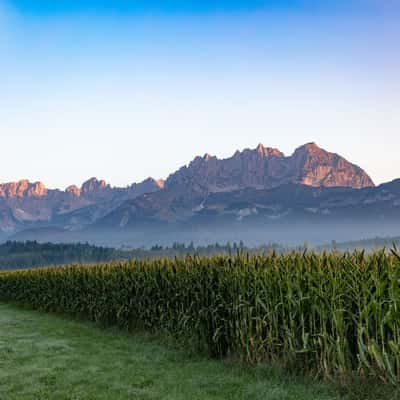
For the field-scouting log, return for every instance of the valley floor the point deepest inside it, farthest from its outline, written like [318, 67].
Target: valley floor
[45, 356]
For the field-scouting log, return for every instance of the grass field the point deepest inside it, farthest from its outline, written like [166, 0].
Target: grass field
[43, 356]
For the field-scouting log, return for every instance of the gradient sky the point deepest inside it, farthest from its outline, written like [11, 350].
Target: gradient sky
[123, 90]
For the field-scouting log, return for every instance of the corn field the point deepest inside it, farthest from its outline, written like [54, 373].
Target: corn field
[330, 315]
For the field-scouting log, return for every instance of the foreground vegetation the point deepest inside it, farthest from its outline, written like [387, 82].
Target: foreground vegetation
[333, 315]
[45, 357]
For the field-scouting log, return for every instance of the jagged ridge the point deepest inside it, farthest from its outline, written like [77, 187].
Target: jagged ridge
[184, 192]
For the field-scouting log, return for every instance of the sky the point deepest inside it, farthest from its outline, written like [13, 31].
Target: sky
[123, 90]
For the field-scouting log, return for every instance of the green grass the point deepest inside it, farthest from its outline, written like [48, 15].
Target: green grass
[45, 356]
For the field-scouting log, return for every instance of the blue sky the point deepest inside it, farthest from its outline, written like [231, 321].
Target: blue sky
[126, 89]
[46, 7]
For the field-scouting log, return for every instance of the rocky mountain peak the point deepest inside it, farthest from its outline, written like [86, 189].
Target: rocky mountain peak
[268, 151]
[317, 167]
[260, 148]
[22, 188]
[94, 185]
[37, 189]
[309, 147]
[264, 168]
[25, 202]
[74, 190]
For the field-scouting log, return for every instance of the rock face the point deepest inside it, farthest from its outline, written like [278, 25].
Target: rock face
[265, 168]
[22, 188]
[93, 185]
[73, 190]
[317, 167]
[262, 168]
[24, 202]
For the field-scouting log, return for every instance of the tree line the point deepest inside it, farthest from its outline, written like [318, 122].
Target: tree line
[29, 254]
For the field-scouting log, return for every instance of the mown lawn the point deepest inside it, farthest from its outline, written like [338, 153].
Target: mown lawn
[45, 356]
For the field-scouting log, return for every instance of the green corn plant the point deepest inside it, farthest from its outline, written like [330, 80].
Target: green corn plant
[328, 315]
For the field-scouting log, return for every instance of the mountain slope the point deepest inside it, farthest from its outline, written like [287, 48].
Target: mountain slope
[251, 188]
[26, 204]
[288, 214]
[263, 168]
[282, 202]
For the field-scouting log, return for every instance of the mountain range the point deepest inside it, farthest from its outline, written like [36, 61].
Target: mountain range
[257, 194]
